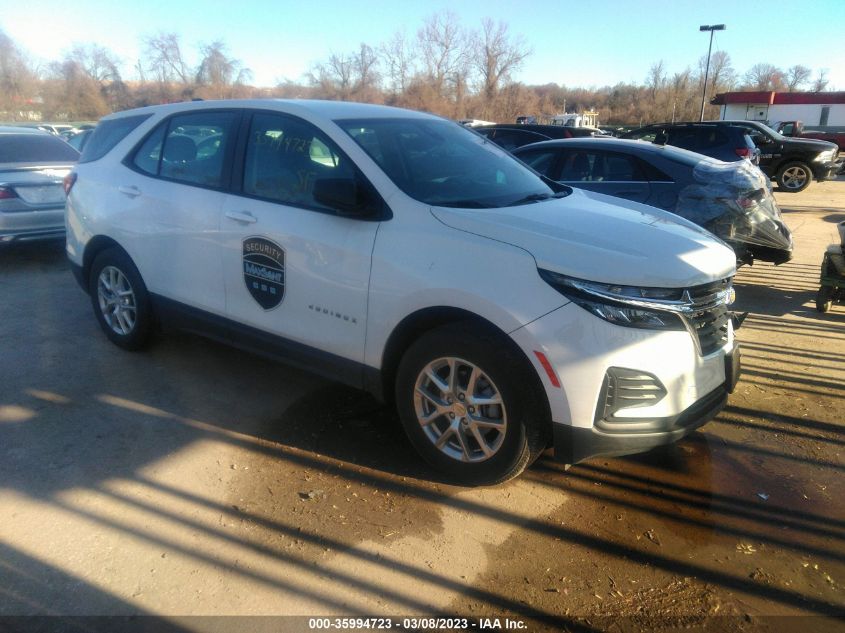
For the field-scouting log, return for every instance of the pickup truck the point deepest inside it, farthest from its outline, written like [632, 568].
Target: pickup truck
[796, 129]
[792, 162]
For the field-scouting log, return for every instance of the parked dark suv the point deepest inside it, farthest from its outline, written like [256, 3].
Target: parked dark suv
[727, 143]
[793, 163]
[509, 137]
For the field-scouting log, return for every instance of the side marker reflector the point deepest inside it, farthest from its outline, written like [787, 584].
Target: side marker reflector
[550, 372]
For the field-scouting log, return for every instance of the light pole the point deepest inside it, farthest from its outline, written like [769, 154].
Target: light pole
[711, 28]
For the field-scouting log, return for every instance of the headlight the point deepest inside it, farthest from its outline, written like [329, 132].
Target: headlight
[825, 156]
[631, 317]
[628, 306]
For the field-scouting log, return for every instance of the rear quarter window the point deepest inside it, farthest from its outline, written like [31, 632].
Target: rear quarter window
[108, 134]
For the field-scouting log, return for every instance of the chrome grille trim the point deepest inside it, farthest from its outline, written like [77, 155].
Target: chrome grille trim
[708, 320]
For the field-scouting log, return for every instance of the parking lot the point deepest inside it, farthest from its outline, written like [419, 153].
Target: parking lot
[196, 479]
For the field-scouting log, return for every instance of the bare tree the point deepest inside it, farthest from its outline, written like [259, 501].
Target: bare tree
[443, 49]
[497, 55]
[821, 81]
[219, 71]
[99, 63]
[348, 76]
[333, 79]
[722, 73]
[366, 69]
[165, 61]
[71, 93]
[797, 76]
[656, 78]
[89, 68]
[765, 77]
[18, 82]
[397, 57]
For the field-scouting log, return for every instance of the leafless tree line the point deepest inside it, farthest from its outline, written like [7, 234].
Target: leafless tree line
[442, 67]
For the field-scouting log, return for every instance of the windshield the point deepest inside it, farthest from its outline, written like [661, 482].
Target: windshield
[441, 163]
[768, 130]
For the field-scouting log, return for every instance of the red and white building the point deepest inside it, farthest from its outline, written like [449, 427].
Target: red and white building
[815, 109]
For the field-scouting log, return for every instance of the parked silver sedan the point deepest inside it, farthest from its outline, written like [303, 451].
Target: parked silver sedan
[33, 165]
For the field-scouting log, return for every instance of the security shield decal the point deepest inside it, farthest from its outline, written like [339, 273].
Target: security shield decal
[264, 271]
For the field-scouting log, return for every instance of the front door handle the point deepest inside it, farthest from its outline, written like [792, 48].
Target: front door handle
[129, 190]
[244, 217]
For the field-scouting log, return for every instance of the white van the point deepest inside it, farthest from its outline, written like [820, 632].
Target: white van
[404, 254]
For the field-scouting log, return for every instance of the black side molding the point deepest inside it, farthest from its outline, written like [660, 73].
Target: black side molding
[175, 315]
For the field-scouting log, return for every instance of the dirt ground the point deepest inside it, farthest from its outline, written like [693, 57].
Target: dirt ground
[194, 479]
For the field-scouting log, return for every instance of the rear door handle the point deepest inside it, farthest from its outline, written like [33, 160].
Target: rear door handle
[129, 190]
[241, 216]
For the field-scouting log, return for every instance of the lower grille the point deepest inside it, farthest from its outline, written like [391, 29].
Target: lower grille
[627, 389]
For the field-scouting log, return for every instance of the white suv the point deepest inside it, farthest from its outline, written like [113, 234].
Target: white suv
[406, 255]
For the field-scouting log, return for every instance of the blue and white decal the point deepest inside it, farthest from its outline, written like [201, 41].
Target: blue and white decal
[264, 271]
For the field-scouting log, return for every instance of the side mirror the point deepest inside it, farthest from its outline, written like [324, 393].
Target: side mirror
[344, 195]
[759, 139]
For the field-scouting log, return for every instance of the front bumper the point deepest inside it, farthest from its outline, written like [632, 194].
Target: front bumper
[825, 171]
[573, 445]
[582, 349]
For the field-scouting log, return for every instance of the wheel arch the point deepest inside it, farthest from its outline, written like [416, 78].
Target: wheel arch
[415, 324]
[94, 247]
[793, 161]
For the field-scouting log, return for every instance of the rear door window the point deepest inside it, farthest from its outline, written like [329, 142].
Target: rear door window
[190, 148]
[578, 165]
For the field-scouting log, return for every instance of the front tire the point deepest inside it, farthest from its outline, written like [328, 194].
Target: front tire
[469, 406]
[794, 177]
[120, 300]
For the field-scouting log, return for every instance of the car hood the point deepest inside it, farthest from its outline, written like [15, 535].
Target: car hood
[600, 238]
[810, 144]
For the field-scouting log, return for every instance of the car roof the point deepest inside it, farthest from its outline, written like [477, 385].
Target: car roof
[688, 123]
[19, 129]
[725, 123]
[619, 144]
[325, 109]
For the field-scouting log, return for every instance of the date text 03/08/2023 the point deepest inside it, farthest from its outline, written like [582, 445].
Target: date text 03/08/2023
[416, 624]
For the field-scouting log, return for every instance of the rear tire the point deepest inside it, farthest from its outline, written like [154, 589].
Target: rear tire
[824, 298]
[120, 300]
[794, 177]
[469, 406]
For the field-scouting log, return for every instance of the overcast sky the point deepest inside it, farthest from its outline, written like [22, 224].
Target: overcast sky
[574, 43]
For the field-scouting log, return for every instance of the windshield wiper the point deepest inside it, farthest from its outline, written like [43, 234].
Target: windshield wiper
[463, 204]
[537, 197]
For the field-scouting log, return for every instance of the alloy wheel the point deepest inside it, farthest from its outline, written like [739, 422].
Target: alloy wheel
[794, 177]
[117, 300]
[460, 409]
